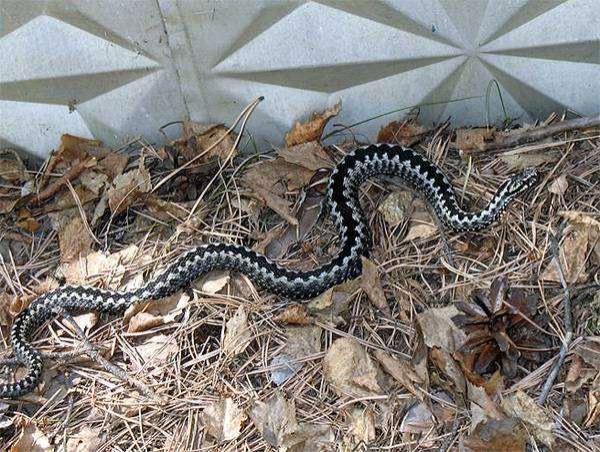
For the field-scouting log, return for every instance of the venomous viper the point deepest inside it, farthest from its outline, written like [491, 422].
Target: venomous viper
[341, 203]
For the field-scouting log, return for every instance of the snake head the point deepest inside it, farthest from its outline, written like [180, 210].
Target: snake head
[521, 182]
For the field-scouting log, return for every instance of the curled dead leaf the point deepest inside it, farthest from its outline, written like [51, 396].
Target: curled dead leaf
[312, 129]
[237, 333]
[155, 352]
[301, 342]
[309, 155]
[223, 420]
[295, 314]
[362, 425]
[371, 284]
[31, 439]
[204, 138]
[535, 417]
[128, 187]
[87, 439]
[351, 371]
[582, 234]
[275, 419]
[439, 330]
[402, 371]
[74, 240]
[405, 133]
[559, 185]
[469, 139]
[97, 264]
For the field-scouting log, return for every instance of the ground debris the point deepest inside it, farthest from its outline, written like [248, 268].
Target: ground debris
[421, 352]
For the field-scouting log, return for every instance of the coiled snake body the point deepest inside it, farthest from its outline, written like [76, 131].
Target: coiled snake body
[343, 205]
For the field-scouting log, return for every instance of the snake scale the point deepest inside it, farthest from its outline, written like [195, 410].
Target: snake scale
[341, 202]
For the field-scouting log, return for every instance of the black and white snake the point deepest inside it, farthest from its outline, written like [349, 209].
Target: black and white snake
[343, 205]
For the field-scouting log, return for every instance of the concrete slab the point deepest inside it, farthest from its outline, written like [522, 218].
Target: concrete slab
[120, 69]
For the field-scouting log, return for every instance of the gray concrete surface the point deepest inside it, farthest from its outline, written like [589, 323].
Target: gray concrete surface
[119, 69]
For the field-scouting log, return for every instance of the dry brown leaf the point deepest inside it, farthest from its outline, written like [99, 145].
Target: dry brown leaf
[148, 315]
[589, 351]
[12, 168]
[301, 342]
[538, 421]
[559, 185]
[74, 240]
[439, 330]
[479, 396]
[504, 435]
[583, 232]
[310, 155]
[398, 205]
[85, 322]
[402, 371]
[213, 282]
[26, 221]
[429, 417]
[271, 180]
[198, 138]
[529, 159]
[469, 139]
[593, 414]
[275, 419]
[31, 439]
[313, 128]
[237, 333]
[420, 231]
[277, 241]
[450, 367]
[333, 302]
[362, 425]
[223, 420]
[96, 264]
[93, 181]
[578, 375]
[128, 187]
[165, 210]
[405, 133]
[371, 284]
[85, 440]
[351, 371]
[296, 314]
[155, 352]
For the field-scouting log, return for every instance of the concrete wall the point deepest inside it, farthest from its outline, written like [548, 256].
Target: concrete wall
[120, 69]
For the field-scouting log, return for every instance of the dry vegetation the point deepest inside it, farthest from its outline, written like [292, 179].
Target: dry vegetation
[447, 341]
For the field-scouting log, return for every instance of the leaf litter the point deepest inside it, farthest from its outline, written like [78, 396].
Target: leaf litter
[418, 353]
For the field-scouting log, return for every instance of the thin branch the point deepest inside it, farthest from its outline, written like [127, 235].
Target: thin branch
[507, 140]
[568, 322]
[96, 356]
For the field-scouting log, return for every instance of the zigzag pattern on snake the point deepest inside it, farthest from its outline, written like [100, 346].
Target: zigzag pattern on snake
[342, 203]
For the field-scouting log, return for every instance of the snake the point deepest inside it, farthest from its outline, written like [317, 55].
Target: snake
[341, 202]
